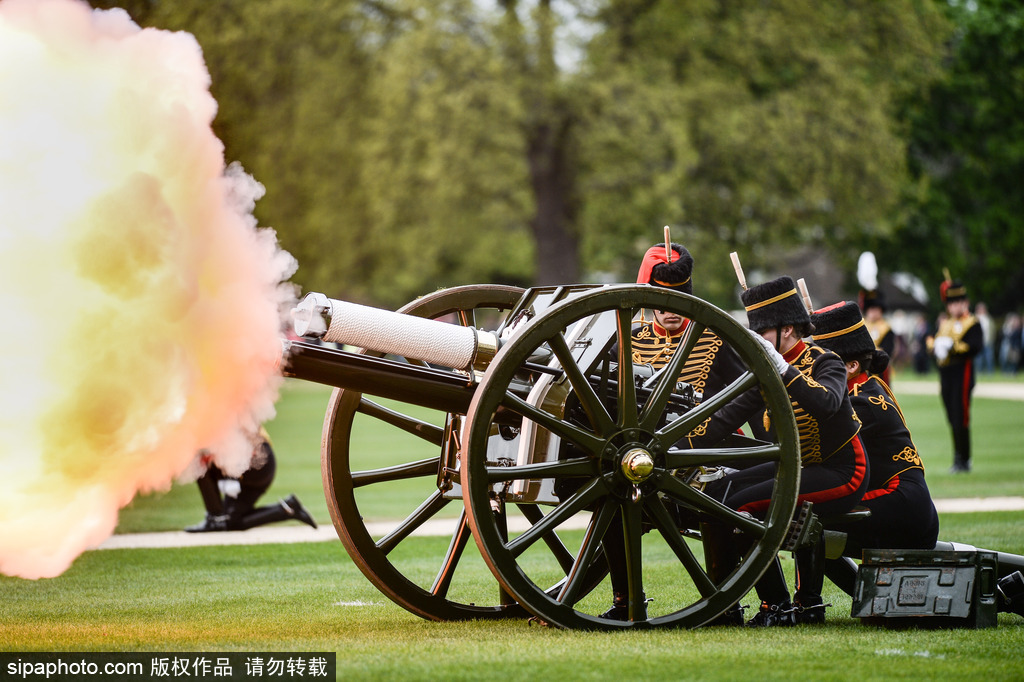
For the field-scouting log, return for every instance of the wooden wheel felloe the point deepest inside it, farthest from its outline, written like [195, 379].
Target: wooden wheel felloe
[602, 454]
[355, 472]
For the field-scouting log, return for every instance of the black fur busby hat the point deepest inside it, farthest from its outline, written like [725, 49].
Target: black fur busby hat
[871, 299]
[675, 274]
[841, 329]
[952, 290]
[775, 304]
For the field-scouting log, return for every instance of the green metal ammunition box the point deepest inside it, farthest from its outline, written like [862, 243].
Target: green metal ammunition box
[926, 588]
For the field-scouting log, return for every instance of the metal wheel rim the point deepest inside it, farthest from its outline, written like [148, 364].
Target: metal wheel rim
[339, 485]
[478, 477]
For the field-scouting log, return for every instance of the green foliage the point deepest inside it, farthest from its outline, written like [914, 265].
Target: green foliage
[967, 158]
[407, 146]
[778, 130]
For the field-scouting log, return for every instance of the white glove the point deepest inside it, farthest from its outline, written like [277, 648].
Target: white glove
[774, 355]
[229, 487]
[943, 345]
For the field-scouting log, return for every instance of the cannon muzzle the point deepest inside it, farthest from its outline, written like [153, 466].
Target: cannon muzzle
[384, 331]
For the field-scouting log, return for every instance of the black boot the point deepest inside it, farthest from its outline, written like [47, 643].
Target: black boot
[810, 576]
[1010, 589]
[297, 511]
[211, 524]
[288, 508]
[732, 616]
[620, 607]
[843, 573]
[782, 614]
[961, 451]
[776, 609]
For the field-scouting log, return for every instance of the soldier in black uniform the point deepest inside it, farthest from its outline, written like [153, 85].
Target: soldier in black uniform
[954, 346]
[711, 364]
[872, 304]
[902, 513]
[231, 502]
[834, 472]
[710, 367]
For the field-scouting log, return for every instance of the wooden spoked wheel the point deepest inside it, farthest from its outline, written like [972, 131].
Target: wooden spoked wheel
[618, 466]
[366, 477]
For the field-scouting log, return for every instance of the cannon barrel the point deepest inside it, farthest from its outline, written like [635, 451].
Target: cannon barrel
[413, 384]
[384, 331]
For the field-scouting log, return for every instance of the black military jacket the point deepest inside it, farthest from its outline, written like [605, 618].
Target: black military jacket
[816, 383]
[711, 366]
[887, 440]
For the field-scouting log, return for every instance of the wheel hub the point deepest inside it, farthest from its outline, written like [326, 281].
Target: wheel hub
[637, 464]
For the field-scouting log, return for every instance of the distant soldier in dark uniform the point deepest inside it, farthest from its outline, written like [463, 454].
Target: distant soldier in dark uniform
[711, 366]
[902, 513]
[872, 303]
[958, 339]
[834, 471]
[231, 502]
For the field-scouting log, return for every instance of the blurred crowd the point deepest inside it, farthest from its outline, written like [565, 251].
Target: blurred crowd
[1004, 339]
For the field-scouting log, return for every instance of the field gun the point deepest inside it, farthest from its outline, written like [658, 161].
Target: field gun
[525, 405]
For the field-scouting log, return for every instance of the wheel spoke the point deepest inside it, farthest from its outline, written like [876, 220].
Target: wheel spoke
[655, 406]
[399, 472]
[443, 581]
[429, 432]
[566, 431]
[576, 576]
[681, 458]
[430, 506]
[562, 555]
[633, 534]
[577, 466]
[670, 531]
[580, 500]
[679, 428]
[588, 398]
[626, 389]
[698, 500]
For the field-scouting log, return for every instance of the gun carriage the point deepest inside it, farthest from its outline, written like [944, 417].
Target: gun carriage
[550, 438]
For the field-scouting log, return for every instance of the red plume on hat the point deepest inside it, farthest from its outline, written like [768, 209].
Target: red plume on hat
[657, 269]
[951, 290]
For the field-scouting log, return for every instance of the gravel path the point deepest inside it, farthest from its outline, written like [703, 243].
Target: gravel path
[288, 533]
[984, 389]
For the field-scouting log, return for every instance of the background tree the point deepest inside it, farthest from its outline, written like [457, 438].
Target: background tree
[776, 122]
[965, 210]
[408, 145]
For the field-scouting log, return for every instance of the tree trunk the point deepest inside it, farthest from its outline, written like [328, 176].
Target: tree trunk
[552, 177]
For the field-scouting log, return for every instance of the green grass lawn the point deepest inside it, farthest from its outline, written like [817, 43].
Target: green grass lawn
[311, 597]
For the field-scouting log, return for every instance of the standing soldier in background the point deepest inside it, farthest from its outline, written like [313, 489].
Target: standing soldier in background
[872, 305]
[955, 344]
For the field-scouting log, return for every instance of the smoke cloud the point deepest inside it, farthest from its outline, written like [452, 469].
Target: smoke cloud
[142, 305]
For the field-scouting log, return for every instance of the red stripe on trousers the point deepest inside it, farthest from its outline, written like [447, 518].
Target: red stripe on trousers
[847, 488]
[965, 399]
[878, 492]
